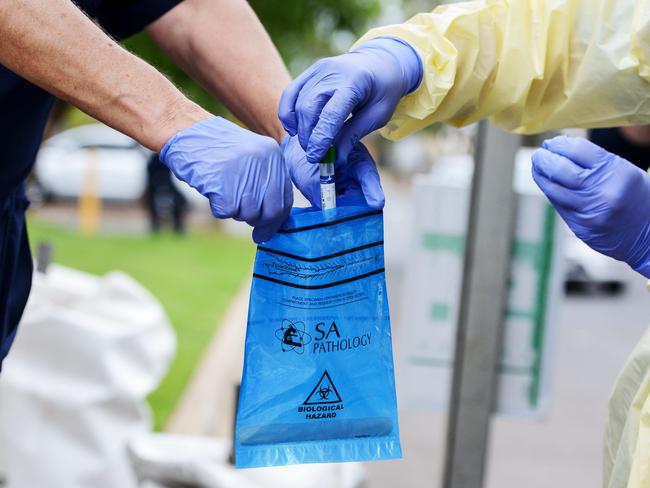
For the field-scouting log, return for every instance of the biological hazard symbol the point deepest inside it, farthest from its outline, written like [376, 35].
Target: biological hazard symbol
[293, 336]
[324, 392]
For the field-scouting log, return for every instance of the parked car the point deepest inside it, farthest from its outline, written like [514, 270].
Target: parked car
[590, 271]
[96, 156]
[115, 162]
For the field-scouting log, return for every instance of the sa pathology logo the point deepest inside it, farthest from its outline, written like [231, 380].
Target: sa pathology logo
[293, 336]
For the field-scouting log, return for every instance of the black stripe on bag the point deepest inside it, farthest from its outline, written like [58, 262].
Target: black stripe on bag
[322, 258]
[328, 224]
[319, 287]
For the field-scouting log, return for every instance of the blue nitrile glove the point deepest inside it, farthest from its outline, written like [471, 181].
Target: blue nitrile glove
[367, 82]
[603, 198]
[357, 176]
[242, 173]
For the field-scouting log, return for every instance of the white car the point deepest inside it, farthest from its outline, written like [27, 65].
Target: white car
[89, 156]
[588, 270]
[96, 158]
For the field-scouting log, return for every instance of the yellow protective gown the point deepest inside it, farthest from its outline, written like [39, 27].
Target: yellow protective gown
[627, 448]
[531, 66]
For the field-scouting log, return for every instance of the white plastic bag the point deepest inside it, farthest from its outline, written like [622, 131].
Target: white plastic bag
[72, 390]
[163, 460]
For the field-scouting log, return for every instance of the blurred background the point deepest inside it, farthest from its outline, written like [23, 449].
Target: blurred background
[101, 202]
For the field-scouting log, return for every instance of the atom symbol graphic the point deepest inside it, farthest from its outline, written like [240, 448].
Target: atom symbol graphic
[293, 336]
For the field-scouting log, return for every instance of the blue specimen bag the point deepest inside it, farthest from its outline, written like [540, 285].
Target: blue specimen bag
[318, 382]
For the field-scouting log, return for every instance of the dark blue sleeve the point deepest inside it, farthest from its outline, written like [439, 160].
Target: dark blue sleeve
[123, 18]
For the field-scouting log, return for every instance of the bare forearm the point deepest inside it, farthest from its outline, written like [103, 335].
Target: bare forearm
[222, 44]
[54, 45]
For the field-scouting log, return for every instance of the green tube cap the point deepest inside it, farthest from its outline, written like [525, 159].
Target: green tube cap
[330, 156]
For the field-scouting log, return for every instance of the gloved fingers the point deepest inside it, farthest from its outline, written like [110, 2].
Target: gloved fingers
[250, 209]
[288, 197]
[221, 209]
[309, 106]
[266, 228]
[330, 122]
[351, 188]
[275, 208]
[557, 194]
[303, 174]
[265, 232]
[367, 176]
[579, 150]
[310, 187]
[362, 123]
[287, 108]
[559, 169]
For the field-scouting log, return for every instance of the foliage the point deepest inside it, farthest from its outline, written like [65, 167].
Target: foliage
[302, 30]
[193, 276]
[312, 29]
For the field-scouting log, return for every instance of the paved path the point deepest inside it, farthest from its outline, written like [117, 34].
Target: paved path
[207, 404]
[596, 335]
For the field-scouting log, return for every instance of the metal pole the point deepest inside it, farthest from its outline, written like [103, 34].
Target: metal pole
[484, 293]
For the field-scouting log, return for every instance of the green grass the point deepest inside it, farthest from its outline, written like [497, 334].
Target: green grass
[74, 118]
[193, 276]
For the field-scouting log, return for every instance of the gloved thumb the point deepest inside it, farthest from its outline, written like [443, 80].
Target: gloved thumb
[365, 173]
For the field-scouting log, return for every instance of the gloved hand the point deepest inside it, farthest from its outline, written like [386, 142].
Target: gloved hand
[367, 82]
[603, 198]
[242, 173]
[357, 176]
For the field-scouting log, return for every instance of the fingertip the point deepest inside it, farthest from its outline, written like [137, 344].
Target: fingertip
[539, 160]
[311, 191]
[256, 237]
[286, 111]
[538, 156]
[265, 232]
[579, 150]
[375, 202]
[557, 141]
[276, 210]
[289, 129]
[287, 118]
[552, 165]
[315, 154]
[260, 235]
[373, 191]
